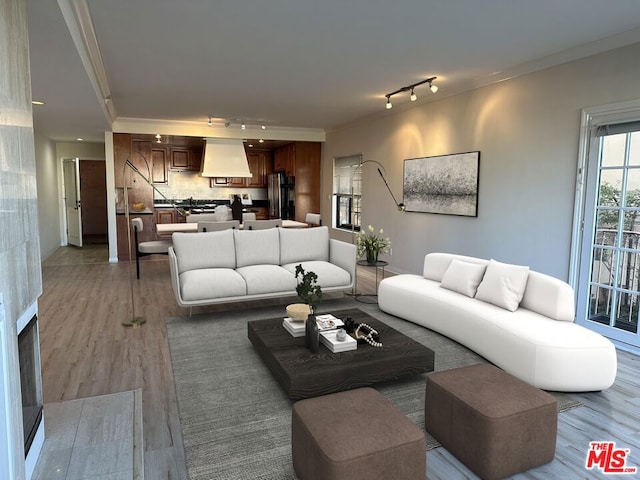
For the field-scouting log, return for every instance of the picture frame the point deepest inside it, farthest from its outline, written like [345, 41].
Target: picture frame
[444, 184]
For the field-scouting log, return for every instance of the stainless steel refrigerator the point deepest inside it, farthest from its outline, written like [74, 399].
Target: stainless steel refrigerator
[281, 196]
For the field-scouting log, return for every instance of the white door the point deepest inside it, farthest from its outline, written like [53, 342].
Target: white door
[71, 170]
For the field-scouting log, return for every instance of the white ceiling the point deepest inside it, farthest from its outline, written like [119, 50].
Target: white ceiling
[298, 63]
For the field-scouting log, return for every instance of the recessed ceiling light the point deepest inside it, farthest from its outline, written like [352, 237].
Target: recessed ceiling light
[37, 102]
[250, 145]
[79, 139]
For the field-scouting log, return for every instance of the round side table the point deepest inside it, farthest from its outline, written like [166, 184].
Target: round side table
[378, 265]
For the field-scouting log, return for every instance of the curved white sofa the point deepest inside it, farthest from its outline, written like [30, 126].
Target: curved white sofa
[537, 342]
[238, 265]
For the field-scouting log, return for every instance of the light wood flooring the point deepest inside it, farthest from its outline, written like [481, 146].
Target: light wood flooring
[86, 352]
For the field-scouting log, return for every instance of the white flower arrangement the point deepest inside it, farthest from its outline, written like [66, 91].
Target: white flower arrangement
[372, 244]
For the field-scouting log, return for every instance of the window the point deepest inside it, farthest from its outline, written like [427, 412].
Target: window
[347, 188]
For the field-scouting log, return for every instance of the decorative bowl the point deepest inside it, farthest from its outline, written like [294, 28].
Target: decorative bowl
[138, 206]
[298, 312]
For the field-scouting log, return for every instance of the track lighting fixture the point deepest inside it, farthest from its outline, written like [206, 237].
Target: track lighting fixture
[410, 88]
[235, 122]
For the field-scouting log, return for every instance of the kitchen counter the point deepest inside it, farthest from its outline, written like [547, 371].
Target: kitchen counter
[196, 206]
[146, 211]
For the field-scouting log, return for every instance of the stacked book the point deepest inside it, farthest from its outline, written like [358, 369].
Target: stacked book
[296, 329]
[328, 326]
[329, 340]
[328, 322]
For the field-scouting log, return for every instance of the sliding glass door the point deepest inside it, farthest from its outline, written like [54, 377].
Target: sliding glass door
[609, 282]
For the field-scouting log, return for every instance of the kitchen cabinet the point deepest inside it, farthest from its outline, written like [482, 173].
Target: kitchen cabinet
[168, 215]
[284, 159]
[260, 165]
[302, 161]
[185, 158]
[262, 213]
[159, 165]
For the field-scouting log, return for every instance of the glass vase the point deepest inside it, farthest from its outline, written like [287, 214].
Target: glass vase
[372, 257]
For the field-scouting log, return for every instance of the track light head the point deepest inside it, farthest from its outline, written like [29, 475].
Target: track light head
[433, 87]
[243, 126]
[413, 97]
[209, 122]
[389, 104]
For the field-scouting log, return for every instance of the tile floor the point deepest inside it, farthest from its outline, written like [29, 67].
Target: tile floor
[98, 438]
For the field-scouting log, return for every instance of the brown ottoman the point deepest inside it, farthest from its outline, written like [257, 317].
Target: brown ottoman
[357, 434]
[494, 423]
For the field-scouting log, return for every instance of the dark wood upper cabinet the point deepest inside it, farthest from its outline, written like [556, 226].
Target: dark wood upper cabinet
[159, 165]
[179, 158]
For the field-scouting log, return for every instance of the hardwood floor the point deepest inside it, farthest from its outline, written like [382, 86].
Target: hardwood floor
[86, 351]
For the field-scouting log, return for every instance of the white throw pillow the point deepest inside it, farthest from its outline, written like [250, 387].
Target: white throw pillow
[463, 277]
[503, 285]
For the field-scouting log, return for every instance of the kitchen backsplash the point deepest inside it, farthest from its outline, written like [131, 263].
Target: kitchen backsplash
[191, 184]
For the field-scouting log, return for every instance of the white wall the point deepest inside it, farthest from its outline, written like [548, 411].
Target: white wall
[527, 132]
[20, 274]
[48, 198]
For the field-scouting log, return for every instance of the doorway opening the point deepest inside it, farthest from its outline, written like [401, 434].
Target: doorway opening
[85, 200]
[93, 198]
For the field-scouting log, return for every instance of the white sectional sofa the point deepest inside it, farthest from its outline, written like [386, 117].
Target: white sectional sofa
[520, 320]
[237, 265]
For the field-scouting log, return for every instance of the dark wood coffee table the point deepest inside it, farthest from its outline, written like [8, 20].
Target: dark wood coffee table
[304, 374]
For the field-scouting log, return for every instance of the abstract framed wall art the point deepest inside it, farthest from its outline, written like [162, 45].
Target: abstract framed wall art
[446, 184]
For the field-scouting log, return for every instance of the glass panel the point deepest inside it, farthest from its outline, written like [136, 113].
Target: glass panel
[613, 147]
[601, 300]
[632, 197]
[634, 149]
[631, 228]
[627, 312]
[344, 208]
[603, 266]
[606, 227]
[629, 265]
[348, 212]
[610, 188]
[355, 212]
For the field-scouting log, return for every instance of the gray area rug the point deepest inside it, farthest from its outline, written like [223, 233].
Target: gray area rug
[235, 418]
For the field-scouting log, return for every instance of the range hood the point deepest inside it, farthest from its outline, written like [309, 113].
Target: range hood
[224, 157]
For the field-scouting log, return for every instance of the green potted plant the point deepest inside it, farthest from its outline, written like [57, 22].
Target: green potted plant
[310, 293]
[308, 289]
